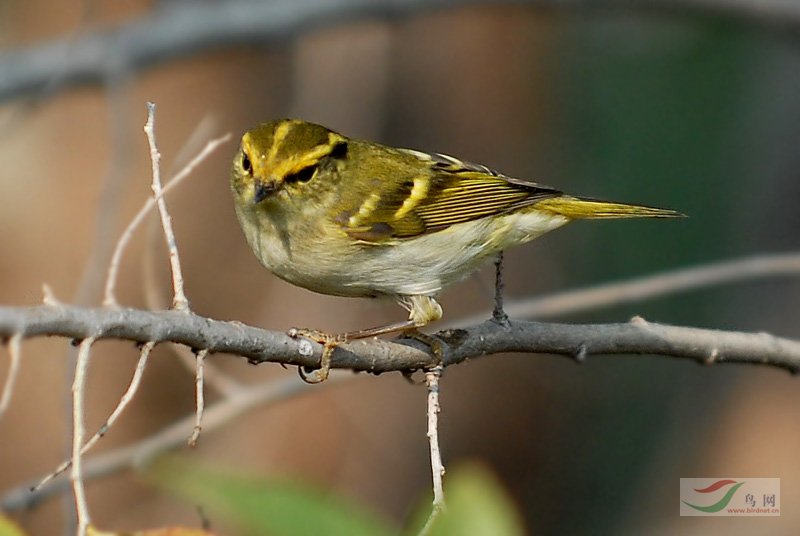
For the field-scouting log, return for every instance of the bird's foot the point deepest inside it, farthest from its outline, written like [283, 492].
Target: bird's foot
[329, 343]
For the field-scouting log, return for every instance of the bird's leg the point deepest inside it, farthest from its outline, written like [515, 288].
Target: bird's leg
[379, 330]
[498, 313]
[422, 310]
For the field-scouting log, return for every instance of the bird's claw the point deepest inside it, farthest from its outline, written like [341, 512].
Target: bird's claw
[329, 343]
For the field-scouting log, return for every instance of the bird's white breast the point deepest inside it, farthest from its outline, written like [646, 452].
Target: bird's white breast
[332, 263]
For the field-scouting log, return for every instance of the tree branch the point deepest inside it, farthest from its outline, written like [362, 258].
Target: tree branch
[185, 28]
[375, 355]
[647, 287]
[141, 452]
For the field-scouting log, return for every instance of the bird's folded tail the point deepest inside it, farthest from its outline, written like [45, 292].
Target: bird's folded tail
[578, 207]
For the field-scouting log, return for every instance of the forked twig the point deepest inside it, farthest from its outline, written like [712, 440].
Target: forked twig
[106, 426]
[171, 436]
[109, 299]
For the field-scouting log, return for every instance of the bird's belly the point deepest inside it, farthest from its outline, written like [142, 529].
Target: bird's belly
[422, 265]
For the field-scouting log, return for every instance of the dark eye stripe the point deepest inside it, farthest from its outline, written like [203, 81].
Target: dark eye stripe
[304, 175]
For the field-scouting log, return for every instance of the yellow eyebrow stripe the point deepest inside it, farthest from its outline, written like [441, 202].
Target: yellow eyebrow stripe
[317, 153]
[281, 131]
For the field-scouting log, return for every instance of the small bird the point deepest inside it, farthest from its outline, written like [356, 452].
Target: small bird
[350, 217]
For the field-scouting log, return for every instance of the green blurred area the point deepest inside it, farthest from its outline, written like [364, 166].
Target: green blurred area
[665, 111]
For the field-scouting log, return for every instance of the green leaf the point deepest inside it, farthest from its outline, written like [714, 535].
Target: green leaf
[476, 504]
[9, 528]
[265, 507]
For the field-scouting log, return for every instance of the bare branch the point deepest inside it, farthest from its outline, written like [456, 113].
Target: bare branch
[499, 313]
[437, 467]
[141, 452]
[179, 301]
[78, 432]
[14, 356]
[577, 341]
[113, 267]
[200, 401]
[377, 356]
[182, 29]
[126, 399]
[651, 286]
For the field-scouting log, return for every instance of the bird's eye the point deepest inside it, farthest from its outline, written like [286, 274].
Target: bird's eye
[304, 175]
[246, 164]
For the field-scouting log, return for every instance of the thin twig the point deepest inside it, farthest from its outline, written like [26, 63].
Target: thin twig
[141, 452]
[78, 432]
[200, 402]
[49, 297]
[650, 286]
[432, 378]
[213, 375]
[498, 313]
[106, 222]
[126, 399]
[191, 146]
[179, 301]
[15, 357]
[113, 267]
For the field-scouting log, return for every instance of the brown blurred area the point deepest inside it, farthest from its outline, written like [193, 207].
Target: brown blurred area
[687, 111]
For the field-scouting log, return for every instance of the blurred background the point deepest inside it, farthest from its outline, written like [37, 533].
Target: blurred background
[681, 108]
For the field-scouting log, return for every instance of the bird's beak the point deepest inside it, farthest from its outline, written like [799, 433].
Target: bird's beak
[264, 189]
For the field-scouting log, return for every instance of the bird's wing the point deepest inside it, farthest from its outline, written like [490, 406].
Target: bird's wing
[444, 191]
